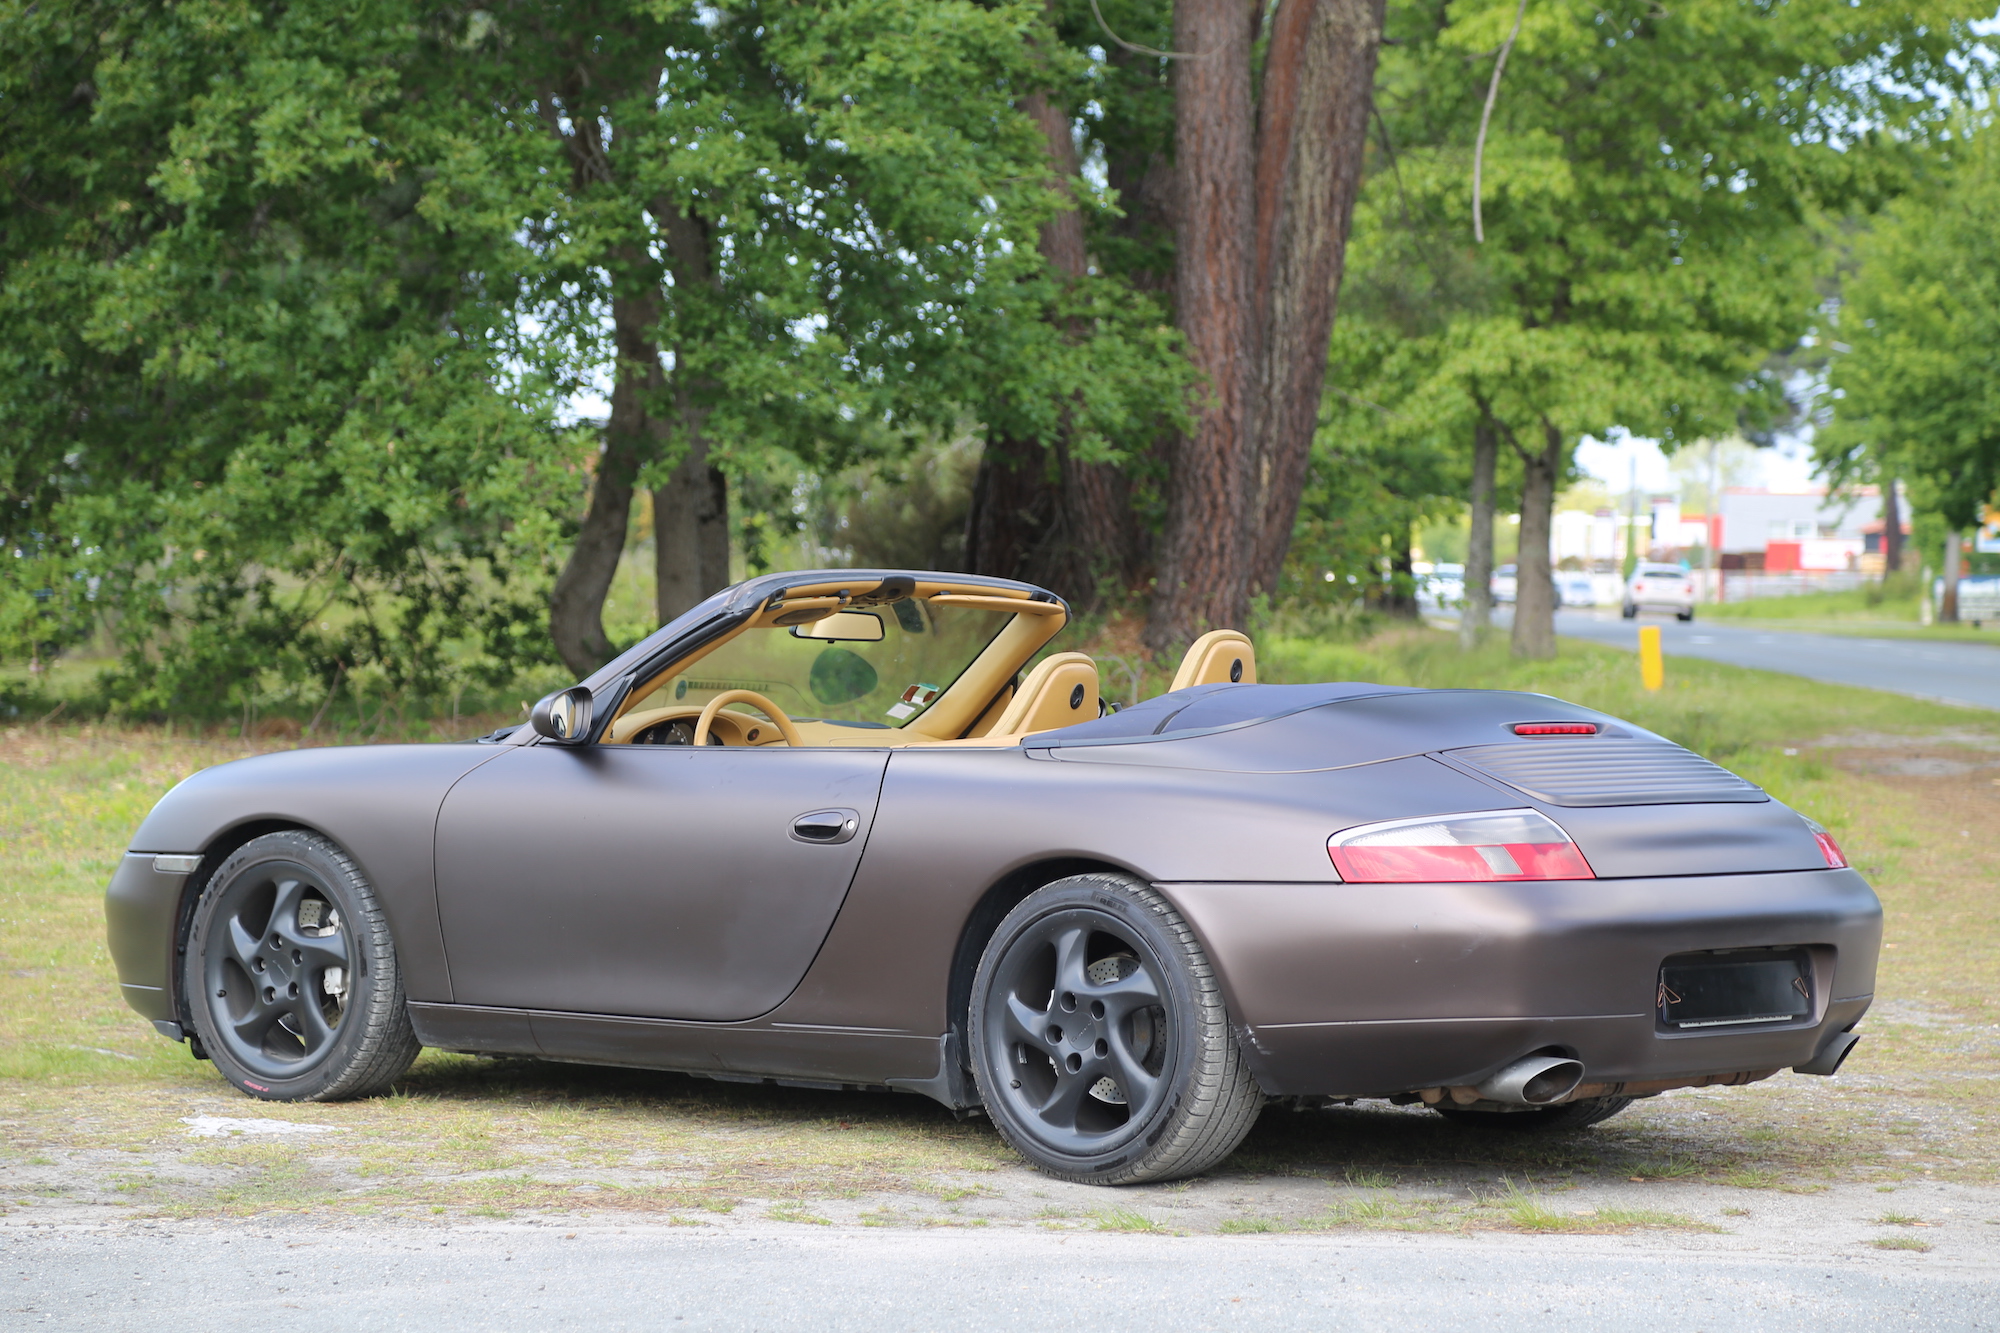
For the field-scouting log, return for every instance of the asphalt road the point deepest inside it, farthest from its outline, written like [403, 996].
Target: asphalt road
[196, 1278]
[1956, 673]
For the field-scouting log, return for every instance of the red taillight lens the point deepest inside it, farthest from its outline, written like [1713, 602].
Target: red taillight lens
[1458, 849]
[1835, 858]
[1555, 728]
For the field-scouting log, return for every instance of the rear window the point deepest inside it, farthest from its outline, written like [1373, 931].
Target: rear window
[1662, 572]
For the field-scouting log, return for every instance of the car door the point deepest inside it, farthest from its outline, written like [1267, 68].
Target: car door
[648, 880]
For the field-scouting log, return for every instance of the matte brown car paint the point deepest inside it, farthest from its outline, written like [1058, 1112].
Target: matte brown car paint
[566, 890]
[380, 802]
[653, 880]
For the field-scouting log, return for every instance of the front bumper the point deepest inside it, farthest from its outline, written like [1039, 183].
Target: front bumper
[1378, 989]
[141, 918]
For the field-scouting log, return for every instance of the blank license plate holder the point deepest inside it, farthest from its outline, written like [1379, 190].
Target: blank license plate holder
[1735, 988]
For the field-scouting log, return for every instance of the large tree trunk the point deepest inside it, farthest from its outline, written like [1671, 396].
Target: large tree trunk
[1534, 588]
[691, 507]
[1892, 528]
[1203, 579]
[632, 437]
[1037, 514]
[1477, 616]
[690, 525]
[1319, 78]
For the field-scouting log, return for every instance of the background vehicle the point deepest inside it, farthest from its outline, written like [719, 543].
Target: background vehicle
[1574, 589]
[1443, 589]
[1660, 587]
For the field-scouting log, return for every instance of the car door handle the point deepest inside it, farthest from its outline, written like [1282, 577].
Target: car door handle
[826, 826]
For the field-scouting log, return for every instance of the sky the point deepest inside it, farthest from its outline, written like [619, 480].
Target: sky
[1786, 465]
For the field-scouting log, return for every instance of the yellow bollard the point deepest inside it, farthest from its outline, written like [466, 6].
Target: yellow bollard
[1652, 667]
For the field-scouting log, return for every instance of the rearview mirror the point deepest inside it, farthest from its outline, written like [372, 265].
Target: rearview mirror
[843, 627]
[563, 716]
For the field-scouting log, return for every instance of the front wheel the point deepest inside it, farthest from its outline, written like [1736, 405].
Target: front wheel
[1100, 1042]
[290, 976]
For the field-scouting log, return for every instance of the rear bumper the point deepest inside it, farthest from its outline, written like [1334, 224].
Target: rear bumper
[141, 914]
[1371, 990]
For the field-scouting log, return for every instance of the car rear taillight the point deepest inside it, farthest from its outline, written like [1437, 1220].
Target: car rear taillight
[1828, 848]
[1555, 728]
[1458, 849]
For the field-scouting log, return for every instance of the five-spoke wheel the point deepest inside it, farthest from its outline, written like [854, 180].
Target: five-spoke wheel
[290, 980]
[1101, 1045]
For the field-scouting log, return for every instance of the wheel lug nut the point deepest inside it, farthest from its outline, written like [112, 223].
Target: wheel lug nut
[293, 990]
[1055, 1034]
[1068, 1001]
[1075, 1062]
[1097, 1008]
[270, 994]
[1103, 1047]
[298, 957]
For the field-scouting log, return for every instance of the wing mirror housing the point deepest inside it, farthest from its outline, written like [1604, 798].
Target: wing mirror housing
[563, 717]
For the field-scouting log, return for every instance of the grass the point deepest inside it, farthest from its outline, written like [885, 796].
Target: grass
[1901, 1243]
[91, 1099]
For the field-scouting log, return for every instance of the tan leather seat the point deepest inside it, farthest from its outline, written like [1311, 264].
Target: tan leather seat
[1060, 691]
[1221, 656]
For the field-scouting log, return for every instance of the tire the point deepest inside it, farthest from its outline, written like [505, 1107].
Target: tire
[290, 976]
[1629, 611]
[1684, 615]
[1564, 1119]
[1100, 1042]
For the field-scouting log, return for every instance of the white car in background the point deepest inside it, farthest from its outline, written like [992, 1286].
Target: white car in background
[1660, 588]
[1574, 589]
[1443, 589]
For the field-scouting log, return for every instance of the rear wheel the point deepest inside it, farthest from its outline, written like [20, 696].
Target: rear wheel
[290, 975]
[1101, 1045]
[1684, 615]
[1568, 1117]
[1629, 611]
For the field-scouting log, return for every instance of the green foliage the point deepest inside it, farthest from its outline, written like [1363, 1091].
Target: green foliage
[1649, 183]
[252, 410]
[1918, 395]
[290, 296]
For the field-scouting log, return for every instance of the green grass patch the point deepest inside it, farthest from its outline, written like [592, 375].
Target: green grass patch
[1901, 1243]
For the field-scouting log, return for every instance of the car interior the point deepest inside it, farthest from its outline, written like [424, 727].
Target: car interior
[927, 663]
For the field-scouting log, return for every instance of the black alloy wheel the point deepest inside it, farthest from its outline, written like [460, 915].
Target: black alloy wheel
[1101, 1045]
[289, 977]
[1568, 1117]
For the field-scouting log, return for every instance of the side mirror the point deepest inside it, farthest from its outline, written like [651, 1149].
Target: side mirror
[563, 716]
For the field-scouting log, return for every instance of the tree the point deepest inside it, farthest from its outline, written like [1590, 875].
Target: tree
[257, 416]
[1650, 176]
[1267, 163]
[1918, 394]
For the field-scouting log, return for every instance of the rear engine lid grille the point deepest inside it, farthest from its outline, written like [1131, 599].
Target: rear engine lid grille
[1602, 770]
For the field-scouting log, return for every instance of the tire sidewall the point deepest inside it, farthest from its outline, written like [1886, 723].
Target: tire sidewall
[338, 880]
[1110, 899]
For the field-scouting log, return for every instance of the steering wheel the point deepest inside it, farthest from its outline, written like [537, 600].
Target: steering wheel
[762, 705]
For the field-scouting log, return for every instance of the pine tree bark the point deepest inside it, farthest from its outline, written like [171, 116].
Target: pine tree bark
[1534, 586]
[1319, 78]
[1477, 617]
[1203, 579]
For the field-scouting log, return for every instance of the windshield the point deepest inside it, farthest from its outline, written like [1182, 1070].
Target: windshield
[879, 667]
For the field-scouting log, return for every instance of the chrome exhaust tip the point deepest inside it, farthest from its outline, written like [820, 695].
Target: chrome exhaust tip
[1831, 1056]
[1536, 1080]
